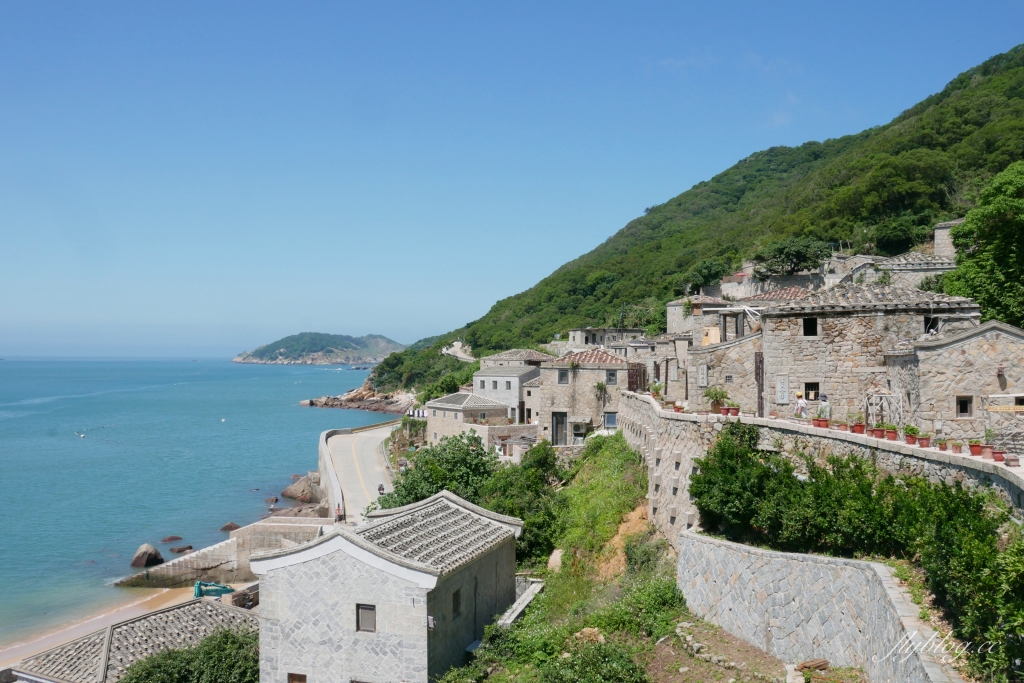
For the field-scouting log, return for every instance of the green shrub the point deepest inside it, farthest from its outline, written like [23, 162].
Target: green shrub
[460, 464]
[594, 663]
[223, 657]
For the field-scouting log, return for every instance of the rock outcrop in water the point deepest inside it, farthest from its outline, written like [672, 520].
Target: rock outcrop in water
[147, 556]
[365, 398]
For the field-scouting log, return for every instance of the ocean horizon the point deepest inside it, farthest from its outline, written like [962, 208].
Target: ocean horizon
[171, 447]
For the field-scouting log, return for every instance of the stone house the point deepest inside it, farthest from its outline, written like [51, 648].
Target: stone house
[456, 413]
[943, 241]
[958, 385]
[103, 656]
[602, 336]
[400, 598]
[569, 402]
[687, 315]
[905, 270]
[504, 383]
[728, 365]
[515, 357]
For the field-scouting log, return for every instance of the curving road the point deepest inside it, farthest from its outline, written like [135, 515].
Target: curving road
[360, 468]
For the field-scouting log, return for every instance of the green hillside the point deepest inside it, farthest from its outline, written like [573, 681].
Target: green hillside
[307, 346]
[879, 190]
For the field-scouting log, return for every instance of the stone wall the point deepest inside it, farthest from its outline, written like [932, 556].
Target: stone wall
[798, 607]
[672, 441]
[218, 562]
[732, 360]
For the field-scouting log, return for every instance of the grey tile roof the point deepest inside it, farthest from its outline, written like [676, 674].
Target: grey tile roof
[849, 297]
[507, 370]
[783, 294]
[462, 400]
[915, 259]
[443, 532]
[519, 354]
[700, 299]
[591, 356]
[103, 656]
[535, 382]
[950, 224]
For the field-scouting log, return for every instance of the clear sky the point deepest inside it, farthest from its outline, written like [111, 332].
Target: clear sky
[202, 178]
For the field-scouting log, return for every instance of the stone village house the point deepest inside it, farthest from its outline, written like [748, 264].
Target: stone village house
[400, 598]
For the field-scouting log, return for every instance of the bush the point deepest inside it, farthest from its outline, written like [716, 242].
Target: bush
[459, 464]
[224, 657]
[595, 663]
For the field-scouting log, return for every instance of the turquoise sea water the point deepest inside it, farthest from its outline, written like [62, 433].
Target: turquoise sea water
[171, 447]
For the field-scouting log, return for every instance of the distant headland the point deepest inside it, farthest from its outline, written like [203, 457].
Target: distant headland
[317, 348]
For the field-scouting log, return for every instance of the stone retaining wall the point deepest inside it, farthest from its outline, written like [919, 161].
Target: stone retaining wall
[798, 607]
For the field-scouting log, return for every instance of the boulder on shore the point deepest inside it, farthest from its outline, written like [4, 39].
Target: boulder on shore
[272, 499]
[170, 539]
[147, 556]
[301, 490]
[181, 548]
[230, 526]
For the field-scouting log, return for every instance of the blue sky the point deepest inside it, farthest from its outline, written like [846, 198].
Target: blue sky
[202, 178]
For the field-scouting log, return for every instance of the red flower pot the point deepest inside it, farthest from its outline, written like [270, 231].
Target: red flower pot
[999, 456]
[879, 433]
[924, 442]
[958, 449]
[911, 439]
[724, 410]
[975, 448]
[986, 451]
[734, 411]
[677, 409]
[942, 446]
[892, 434]
[858, 428]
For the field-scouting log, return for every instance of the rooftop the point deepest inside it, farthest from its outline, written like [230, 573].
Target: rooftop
[104, 655]
[592, 357]
[519, 354]
[783, 294]
[851, 297]
[612, 329]
[950, 224]
[443, 531]
[507, 370]
[915, 259]
[699, 299]
[463, 400]
[535, 382]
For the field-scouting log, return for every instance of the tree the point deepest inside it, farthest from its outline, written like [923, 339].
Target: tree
[223, 657]
[460, 464]
[990, 250]
[792, 255]
[705, 273]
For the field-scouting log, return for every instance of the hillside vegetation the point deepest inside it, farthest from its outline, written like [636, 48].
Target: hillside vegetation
[879, 190]
[317, 347]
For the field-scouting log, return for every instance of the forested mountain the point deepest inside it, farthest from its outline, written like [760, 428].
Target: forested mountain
[879, 190]
[319, 348]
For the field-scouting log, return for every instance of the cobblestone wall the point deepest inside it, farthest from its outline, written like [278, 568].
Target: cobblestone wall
[799, 607]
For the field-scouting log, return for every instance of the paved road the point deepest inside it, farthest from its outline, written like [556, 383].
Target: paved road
[360, 468]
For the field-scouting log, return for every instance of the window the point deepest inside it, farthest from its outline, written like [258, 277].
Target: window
[435, 413]
[965, 406]
[457, 602]
[563, 376]
[296, 678]
[1019, 401]
[494, 384]
[611, 420]
[728, 379]
[529, 393]
[444, 413]
[483, 384]
[483, 416]
[810, 327]
[611, 377]
[931, 324]
[811, 391]
[435, 436]
[508, 386]
[529, 414]
[366, 618]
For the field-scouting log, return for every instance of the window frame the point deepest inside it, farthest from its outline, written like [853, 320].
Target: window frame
[483, 384]
[970, 407]
[615, 420]
[563, 376]
[360, 607]
[808, 391]
[812, 320]
[611, 378]
[508, 385]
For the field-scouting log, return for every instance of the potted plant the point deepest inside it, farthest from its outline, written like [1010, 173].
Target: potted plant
[998, 456]
[940, 442]
[987, 449]
[878, 431]
[717, 396]
[892, 432]
[857, 426]
[909, 433]
[924, 440]
[843, 427]
[958, 446]
[734, 408]
[975, 446]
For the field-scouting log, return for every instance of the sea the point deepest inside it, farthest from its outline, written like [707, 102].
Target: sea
[100, 456]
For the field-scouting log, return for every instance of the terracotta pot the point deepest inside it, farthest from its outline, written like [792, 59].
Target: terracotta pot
[986, 451]
[958, 449]
[814, 422]
[677, 409]
[878, 433]
[911, 439]
[844, 428]
[724, 410]
[942, 446]
[734, 411]
[924, 442]
[858, 428]
[975, 448]
[892, 434]
[999, 456]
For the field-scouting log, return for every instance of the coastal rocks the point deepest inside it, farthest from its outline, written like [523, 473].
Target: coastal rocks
[312, 510]
[230, 526]
[147, 556]
[271, 500]
[181, 548]
[170, 539]
[365, 398]
[301, 490]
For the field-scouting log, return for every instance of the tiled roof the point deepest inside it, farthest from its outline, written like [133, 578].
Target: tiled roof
[443, 531]
[535, 382]
[852, 297]
[463, 400]
[915, 259]
[519, 354]
[950, 224]
[507, 370]
[784, 294]
[103, 656]
[591, 356]
[699, 299]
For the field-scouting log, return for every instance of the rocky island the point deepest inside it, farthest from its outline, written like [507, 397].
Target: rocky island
[317, 348]
[365, 398]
